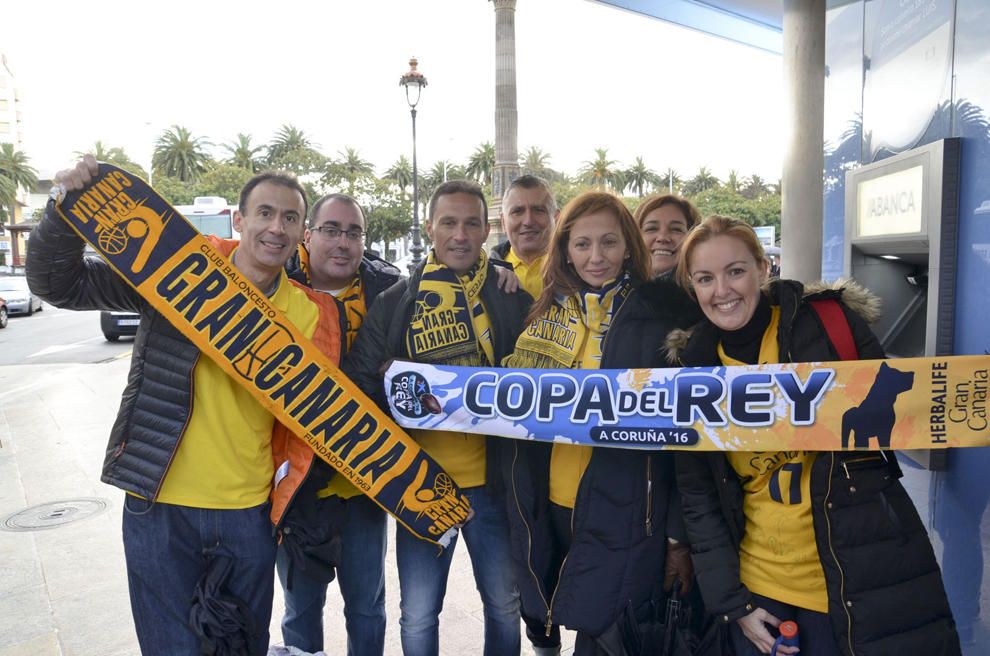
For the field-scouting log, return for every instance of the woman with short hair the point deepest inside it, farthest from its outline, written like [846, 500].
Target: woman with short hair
[664, 221]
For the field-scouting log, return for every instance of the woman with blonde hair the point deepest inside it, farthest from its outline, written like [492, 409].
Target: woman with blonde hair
[830, 540]
[590, 526]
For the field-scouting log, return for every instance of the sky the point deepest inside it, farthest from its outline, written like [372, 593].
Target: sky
[588, 76]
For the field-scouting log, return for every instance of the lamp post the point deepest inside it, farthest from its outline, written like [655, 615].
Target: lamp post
[414, 81]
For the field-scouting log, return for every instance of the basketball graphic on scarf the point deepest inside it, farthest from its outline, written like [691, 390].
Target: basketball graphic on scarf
[431, 403]
[429, 301]
[442, 485]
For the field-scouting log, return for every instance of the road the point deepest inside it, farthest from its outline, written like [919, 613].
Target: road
[56, 336]
[60, 386]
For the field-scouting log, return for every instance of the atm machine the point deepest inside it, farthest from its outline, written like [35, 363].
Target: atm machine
[901, 217]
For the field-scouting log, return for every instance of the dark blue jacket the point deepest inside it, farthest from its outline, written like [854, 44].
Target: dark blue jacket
[626, 505]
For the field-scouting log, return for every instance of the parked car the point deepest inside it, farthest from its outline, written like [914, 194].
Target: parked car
[20, 300]
[3, 313]
[119, 324]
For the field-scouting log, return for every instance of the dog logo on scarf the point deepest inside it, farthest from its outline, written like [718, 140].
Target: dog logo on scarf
[875, 416]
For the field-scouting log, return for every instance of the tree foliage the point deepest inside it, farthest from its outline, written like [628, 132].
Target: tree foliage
[639, 177]
[388, 215]
[244, 154]
[348, 169]
[116, 156]
[602, 172]
[703, 181]
[400, 173]
[292, 150]
[481, 164]
[179, 154]
[16, 173]
[721, 200]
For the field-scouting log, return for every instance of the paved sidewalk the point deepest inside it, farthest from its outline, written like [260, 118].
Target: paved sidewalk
[63, 591]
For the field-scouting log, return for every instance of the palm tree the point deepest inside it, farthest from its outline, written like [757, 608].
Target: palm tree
[354, 164]
[536, 162]
[732, 182]
[8, 198]
[180, 155]
[703, 181]
[287, 140]
[243, 153]
[116, 156]
[446, 170]
[602, 172]
[481, 164]
[349, 168]
[16, 173]
[669, 181]
[639, 176]
[755, 187]
[400, 173]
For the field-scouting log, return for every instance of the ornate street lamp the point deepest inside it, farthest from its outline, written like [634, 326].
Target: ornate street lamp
[414, 81]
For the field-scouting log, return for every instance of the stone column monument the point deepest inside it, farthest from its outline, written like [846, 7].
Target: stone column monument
[506, 115]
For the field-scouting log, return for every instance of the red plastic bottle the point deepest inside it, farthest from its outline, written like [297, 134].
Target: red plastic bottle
[788, 636]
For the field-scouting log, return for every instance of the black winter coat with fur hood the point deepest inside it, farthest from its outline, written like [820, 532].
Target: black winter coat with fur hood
[885, 591]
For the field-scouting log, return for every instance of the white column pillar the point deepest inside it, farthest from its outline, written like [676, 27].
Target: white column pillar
[506, 114]
[804, 100]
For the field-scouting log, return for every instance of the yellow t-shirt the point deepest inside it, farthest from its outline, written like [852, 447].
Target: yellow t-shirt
[462, 455]
[568, 462]
[778, 557]
[530, 275]
[225, 458]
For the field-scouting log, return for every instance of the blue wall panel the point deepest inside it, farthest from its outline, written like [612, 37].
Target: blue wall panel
[925, 70]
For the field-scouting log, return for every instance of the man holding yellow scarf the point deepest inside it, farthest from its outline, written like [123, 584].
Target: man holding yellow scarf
[451, 312]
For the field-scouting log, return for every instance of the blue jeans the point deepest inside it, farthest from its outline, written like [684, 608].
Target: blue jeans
[361, 577]
[814, 629]
[168, 549]
[423, 581]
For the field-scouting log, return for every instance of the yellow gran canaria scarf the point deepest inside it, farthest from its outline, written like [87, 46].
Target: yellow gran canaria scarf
[449, 324]
[558, 336]
[355, 308]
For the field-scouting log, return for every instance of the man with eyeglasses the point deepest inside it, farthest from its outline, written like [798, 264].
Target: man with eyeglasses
[333, 260]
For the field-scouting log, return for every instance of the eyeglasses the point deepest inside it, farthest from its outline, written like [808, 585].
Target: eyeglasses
[331, 233]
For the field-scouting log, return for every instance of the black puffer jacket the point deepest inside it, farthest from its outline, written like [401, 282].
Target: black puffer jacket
[381, 339]
[625, 506]
[157, 401]
[885, 590]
